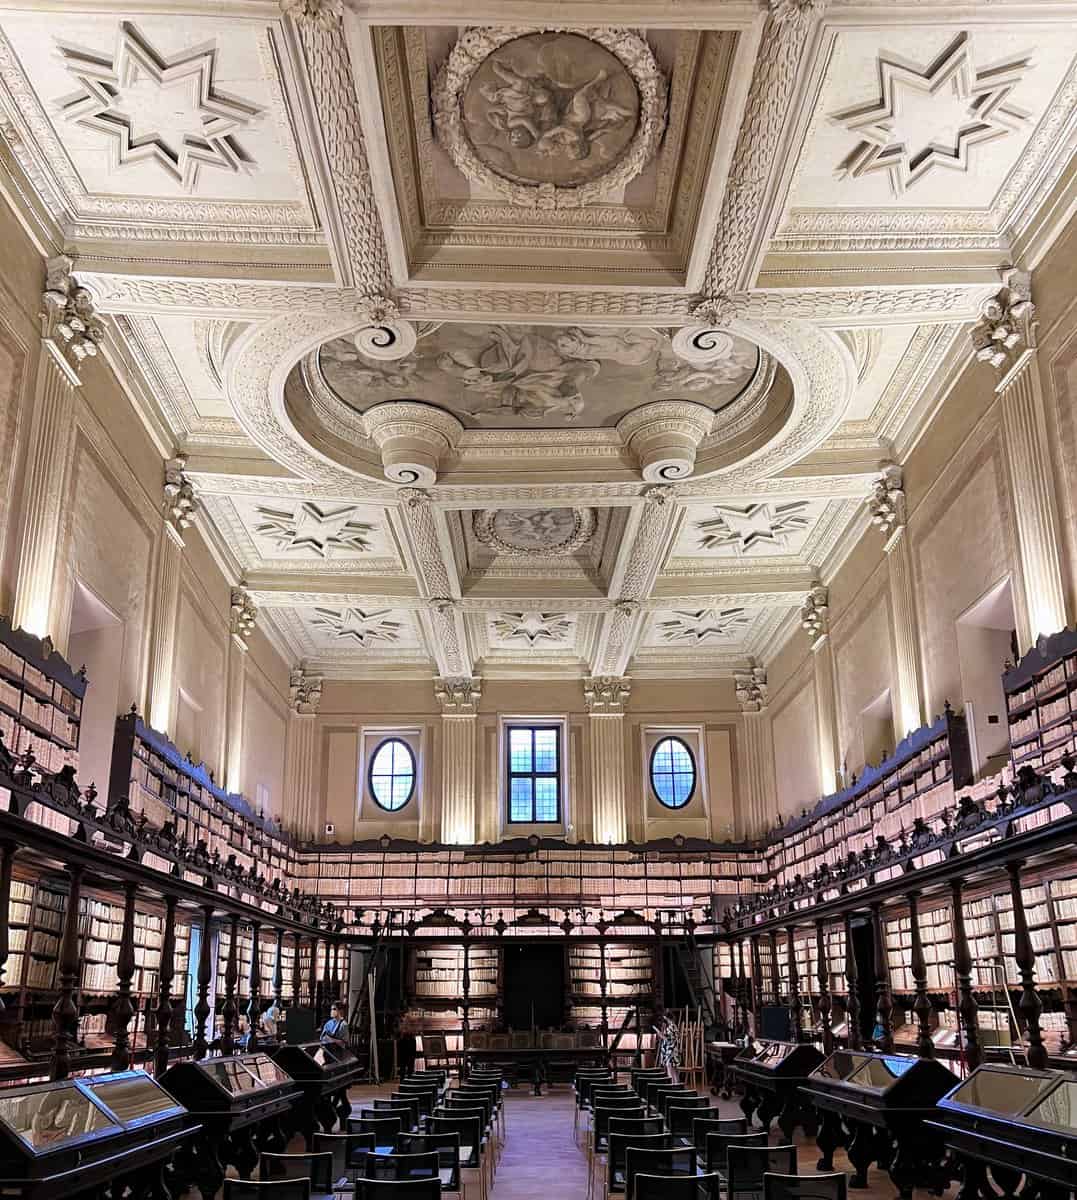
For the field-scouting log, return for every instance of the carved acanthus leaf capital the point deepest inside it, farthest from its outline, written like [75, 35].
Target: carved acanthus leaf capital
[815, 615]
[1007, 327]
[325, 14]
[181, 503]
[304, 691]
[887, 501]
[68, 314]
[752, 693]
[243, 616]
[458, 695]
[606, 695]
[795, 10]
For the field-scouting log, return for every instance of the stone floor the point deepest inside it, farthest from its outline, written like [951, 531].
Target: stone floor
[542, 1162]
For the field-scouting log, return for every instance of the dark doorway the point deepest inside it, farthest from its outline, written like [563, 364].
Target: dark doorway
[534, 986]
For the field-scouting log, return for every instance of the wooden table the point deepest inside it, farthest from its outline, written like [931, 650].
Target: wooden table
[537, 1060]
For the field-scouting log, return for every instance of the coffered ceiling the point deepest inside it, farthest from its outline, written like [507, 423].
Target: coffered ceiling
[496, 347]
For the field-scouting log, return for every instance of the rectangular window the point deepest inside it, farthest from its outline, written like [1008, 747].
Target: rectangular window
[534, 760]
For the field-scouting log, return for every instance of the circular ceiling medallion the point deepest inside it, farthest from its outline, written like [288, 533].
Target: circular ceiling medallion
[550, 118]
[552, 532]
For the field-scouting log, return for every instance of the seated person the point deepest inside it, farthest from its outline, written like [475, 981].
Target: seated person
[335, 1030]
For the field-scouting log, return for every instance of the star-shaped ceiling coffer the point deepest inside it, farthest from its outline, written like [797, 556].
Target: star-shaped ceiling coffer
[703, 625]
[355, 625]
[156, 109]
[743, 528]
[927, 117]
[533, 628]
[310, 527]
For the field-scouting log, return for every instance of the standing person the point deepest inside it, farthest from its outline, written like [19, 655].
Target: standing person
[668, 1045]
[335, 1030]
[406, 1048]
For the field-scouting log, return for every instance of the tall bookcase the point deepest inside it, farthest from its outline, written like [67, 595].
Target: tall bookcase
[40, 700]
[1041, 702]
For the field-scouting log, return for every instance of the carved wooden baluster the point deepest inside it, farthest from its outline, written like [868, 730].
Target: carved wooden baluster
[229, 1010]
[852, 983]
[465, 979]
[325, 984]
[278, 972]
[795, 1006]
[123, 1008]
[742, 986]
[775, 974]
[313, 983]
[757, 984]
[205, 976]
[1030, 1005]
[966, 1001]
[165, 973]
[824, 985]
[659, 974]
[254, 979]
[605, 1017]
[7, 860]
[925, 1047]
[297, 981]
[884, 1000]
[65, 1013]
[335, 978]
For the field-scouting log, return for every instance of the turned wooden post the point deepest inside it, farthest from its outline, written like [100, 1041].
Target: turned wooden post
[1030, 1005]
[966, 1001]
[7, 860]
[742, 986]
[852, 983]
[202, 1009]
[297, 980]
[313, 978]
[325, 986]
[65, 1013]
[795, 1006]
[925, 1047]
[123, 1008]
[229, 1010]
[775, 974]
[278, 971]
[604, 1002]
[254, 979]
[465, 979]
[824, 985]
[884, 1000]
[165, 973]
[757, 982]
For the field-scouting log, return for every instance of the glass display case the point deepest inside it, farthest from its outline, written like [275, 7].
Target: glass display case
[77, 1135]
[324, 1073]
[1013, 1117]
[840, 1065]
[772, 1077]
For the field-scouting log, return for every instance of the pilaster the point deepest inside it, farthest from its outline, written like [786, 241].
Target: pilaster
[163, 629]
[815, 618]
[1006, 338]
[459, 699]
[300, 759]
[244, 615]
[887, 506]
[70, 333]
[757, 758]
[606, 697]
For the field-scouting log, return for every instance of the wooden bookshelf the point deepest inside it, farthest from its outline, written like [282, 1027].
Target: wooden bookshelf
[1041, 702]
[40, 700]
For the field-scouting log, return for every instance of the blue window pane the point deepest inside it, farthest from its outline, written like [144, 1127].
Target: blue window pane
[392, 774]
[520, 800]
[545, 799]
[545, 749]
[520, 750]
[673, 772]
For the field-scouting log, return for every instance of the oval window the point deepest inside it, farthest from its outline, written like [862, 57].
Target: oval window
[673, 772]
[392, 774]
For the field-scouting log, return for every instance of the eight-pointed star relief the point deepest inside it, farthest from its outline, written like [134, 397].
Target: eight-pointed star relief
[534, 628]
[704, 625]
[744, 528]
[355, 625]
[312, 528]
[156, 109]
[927, 117]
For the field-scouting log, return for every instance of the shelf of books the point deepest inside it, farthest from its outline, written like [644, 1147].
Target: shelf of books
[30, 984]
[565, 878]
[159, 782]
[917, 781]
[629, 981]
[439, 975]
[1041, 702]
[40, 700]
[936, 936]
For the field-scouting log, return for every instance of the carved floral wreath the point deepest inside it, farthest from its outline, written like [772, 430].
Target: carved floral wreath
[472, 49]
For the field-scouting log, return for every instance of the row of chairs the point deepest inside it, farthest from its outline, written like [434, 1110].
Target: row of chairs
[663, 1141]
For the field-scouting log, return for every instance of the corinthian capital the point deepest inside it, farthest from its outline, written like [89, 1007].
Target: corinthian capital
[244, 616]
[815, 615]
[887, 501]
[1007, 327]
[606, 695]
[69, 318]
[458, 696]
[751, 688]
[304, 691]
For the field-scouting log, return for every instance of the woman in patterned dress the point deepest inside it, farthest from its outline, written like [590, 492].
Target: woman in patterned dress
[668, 1045]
